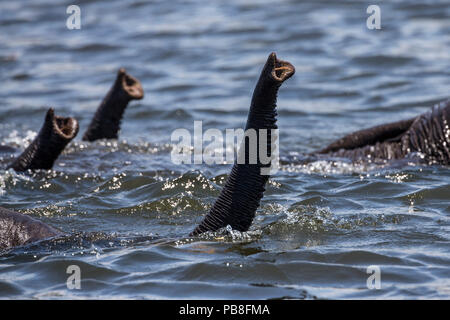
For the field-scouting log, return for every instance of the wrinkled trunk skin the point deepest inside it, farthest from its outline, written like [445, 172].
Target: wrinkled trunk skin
[51, 140]
[427, 134]
[240, 197]
[107, 118]
[18, 229]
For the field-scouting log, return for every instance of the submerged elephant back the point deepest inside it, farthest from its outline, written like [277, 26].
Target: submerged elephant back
[427, 139]
[18, 229]
[430, 135]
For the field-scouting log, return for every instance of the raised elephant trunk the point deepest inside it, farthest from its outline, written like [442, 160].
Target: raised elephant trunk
[54, 135]
[240, 197]
[107, 118]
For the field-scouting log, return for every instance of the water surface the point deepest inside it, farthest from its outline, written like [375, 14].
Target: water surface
[128, 208]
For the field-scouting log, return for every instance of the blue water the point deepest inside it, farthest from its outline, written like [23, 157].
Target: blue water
[128, 208]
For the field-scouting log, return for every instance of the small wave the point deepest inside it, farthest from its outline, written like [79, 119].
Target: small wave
[177, 114]
[225, 234]
[330, 167]
[303, 220]
[382, 60]
[96, 47]
[76, 244]
[109, 146]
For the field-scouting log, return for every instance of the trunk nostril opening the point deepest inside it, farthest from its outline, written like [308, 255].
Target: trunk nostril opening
[278, 69]
[129, 81]
[65, 125]
[281, 71]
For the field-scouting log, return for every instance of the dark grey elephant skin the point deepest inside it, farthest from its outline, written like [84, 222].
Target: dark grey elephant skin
[244, 188]
[427, 134]
[55, 134]
[106, 122]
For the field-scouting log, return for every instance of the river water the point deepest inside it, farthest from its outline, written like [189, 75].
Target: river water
[128, 208]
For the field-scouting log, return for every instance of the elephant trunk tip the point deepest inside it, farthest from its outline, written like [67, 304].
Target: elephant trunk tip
[130, 85]
[64, 127]
[280, 70]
